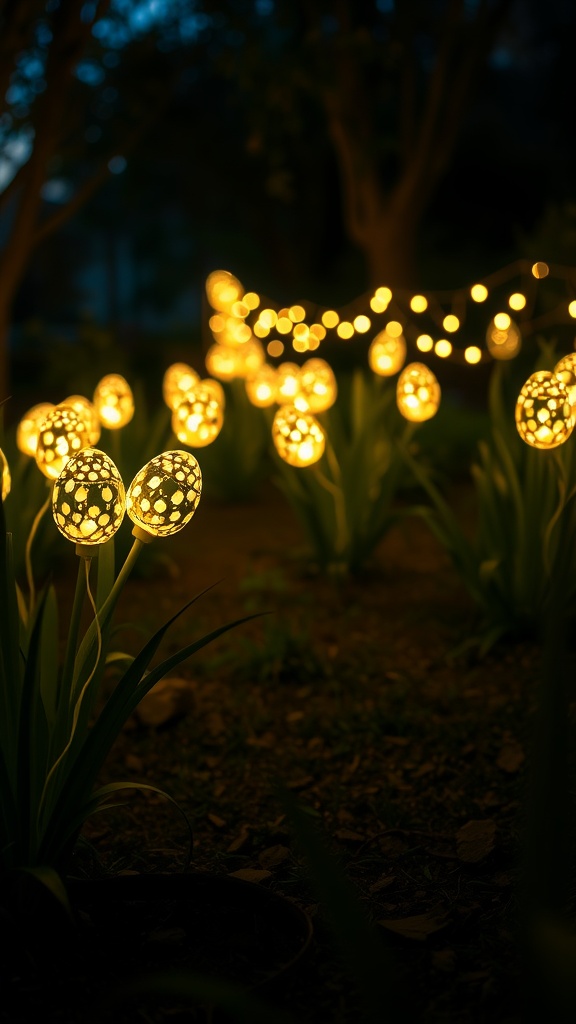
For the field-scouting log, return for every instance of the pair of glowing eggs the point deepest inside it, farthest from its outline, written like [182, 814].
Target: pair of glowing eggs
[89, 499]
[545, 409]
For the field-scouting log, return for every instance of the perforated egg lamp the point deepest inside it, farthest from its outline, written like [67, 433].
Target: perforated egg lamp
[565, 369]
[287, 383]
[5, 479]
[28, 427]
[261, 388]
[198, 418]
[177, 380]
[317, 386]
[223, 362]
[417, 393]
[387, 354]
[87, 409]
[297, 436]
[114, 401]
[216, 389]
[88, 500]
[544, 415]
[62, 434]
[223, 290]
[503, 338]
[164, 495]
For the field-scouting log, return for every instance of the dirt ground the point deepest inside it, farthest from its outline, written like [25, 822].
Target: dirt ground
[409, 759]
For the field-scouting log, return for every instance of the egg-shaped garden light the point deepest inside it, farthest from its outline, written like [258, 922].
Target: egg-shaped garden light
[198, 418]
[287, 383]
[215, 388]
[62, 434]
[261, 388]
[87, 409]
[297, 436]
[223, 290]
[164, 495]
[88, 499]
[565, 369]
[177, 380]
[5, 479]
[114, 401]
[317, 387]
[503, 338]
[417, 393]
[544, 415]
[28, 427]
[387, 354]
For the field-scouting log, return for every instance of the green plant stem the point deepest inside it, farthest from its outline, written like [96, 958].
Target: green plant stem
[123, 575]
[334, 487]
[74, 625]
[28, 553]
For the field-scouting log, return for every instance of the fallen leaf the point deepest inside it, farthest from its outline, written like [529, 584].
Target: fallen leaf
[251, 874]
[167, 700]
[216, 820]
[475, 840]
[418, 927]
[273, 856]
[240, 840]
[346, 835]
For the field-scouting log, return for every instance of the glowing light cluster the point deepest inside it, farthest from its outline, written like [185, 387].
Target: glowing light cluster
[565, 369]
[178, 379]
[88, 498]
[5, 479]
[62, 434]
[417, 393]
[87, 410]
[198, 418]
[297, 436]
[28, 428]
[114, 401]
[503, 338]
[544, 417]
[164, 494]
[387, 352]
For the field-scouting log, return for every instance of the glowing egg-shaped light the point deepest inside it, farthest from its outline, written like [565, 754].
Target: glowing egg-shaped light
[223, 290]
[234, 332]
[387, 353]
[177, 380]
[88, 499]
[164, 494]
[544, 416]
[215, 388]
[503, 338]
[417, 393]
[197, 420]
[261, 388]
[226, 362]
[87, 409]
[287, 382]
[565, 369]
[62, 434]
[27, 429]
[5, 479]
[114, 401]
[317, 389]
[297, 436]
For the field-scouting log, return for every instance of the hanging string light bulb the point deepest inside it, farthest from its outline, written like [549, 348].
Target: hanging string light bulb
[28, 427]
[417, 393]
[86, 408]
[88, 499]
[387, 353]
[164, 495]
[62, 434]
[565, 369]
[5, 479]
[177, 380]
[197, 419]
[544, 416]
[503, 339]
[261, 388]
[114, 401]
[317, 388]
[297, 436]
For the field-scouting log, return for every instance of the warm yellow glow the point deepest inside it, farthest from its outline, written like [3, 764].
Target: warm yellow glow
[301, 332]
[387, 354]
[27, 430]
[261, 389]
[216, 389]
[297, 436]
[572, 308]
[114, 401]
[223, 290]
[261, 331]
[197, 419]
[164, 494]
[239, 309]
[330, 318]
[479, 292]
[275, 348]
[517, 300]
[252, 300]
[418, 303]
[226, 363]
[296, 313]
[234, 332]
[5, 480]
[345, 329]
[565, 369]
[424, 343]
[217, 323]
[287, 382]
[417, 393]
[284, 325]
[378, 305]
[316, 386]
[451, 323]
[300, 344]
[62, 434]
[177, 380]
[540, 270]
[362, 324]
[383, 294]
[502, 321]
[503, 343]
[443, 348]
[393, 329]
[318, 330]
[87, 410]
[88, 499]
[268, 317]
[544, 416]
[472, 354]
